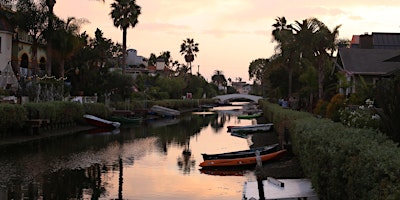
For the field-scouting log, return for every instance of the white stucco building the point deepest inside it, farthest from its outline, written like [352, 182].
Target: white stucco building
[132, 59]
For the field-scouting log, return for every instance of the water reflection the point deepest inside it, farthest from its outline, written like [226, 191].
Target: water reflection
[137, 162]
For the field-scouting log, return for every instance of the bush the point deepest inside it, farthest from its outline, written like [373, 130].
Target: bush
[12, 117]
[336, 103]
[342, 162]
[320, 108]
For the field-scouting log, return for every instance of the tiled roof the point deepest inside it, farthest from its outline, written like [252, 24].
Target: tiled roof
[369, 61]
[5, 25]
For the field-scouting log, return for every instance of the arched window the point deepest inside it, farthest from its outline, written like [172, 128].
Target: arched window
[42, 64]
[24, 61]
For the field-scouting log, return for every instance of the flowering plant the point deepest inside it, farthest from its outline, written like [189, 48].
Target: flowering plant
[363, 116]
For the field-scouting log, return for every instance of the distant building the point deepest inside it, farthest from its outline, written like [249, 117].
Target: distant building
[133, 60]
[242, 87]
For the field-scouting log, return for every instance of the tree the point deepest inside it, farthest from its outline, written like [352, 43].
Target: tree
[218, 78]
[66, 41]
[287, 48]
[50, 19]
[125, 14]
[30, 17]
[189, 48]
[256, 69]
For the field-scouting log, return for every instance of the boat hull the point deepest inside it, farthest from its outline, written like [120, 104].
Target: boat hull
[242, 161]
[253, 116]
[242, 154]
[99, 122]
[251, 128]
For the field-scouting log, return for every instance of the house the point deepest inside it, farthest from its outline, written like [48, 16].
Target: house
[7, 76]
[370, 57]
[133, 60]
[16, 52]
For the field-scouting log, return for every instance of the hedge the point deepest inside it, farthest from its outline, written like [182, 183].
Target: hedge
[342, 162]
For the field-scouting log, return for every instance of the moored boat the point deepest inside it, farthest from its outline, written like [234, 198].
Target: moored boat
[242, 154]
[99, 122]
[250, 128]
[243, 161]
[126, 120]
[164, 111]
[250, 116]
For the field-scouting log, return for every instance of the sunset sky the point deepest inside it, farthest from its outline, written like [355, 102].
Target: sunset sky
[230, 33]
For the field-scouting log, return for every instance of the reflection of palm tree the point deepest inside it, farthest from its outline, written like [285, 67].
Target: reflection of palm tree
[120, 180]
[186, 162]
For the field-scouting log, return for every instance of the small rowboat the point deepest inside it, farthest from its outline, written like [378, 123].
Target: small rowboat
[251, 116]
[250, 128]
[99, 122]
[242, 154]
[242, 161]
[126, 120]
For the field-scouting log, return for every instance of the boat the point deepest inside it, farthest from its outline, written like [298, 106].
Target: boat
[250, 116]
[242, 154]
[126, 120]
[250, 128]
[99, 122]
[164, 111]
[243, 161]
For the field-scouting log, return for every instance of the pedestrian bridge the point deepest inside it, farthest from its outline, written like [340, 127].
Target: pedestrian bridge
[224, 98]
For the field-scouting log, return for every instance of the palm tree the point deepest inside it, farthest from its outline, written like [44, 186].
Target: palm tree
[218, 78]
[50, 17]
[283, 34]
[66, 41]
[125, 14]
[189, 48]
[317, 43]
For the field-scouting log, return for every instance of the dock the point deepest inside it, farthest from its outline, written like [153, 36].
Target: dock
[284, 189]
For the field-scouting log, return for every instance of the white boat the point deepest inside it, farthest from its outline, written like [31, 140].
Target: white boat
[251, 128]
[164, 111]
[99, 122]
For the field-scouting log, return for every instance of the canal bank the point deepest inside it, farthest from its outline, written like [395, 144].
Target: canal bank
[24, 138]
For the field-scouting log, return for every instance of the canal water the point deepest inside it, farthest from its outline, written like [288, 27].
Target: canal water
[156, 160]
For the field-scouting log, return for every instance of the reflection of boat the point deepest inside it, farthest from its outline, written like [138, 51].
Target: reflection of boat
[242, 161]
[250, 116]
[99, 122]
[242, 154]
[164, 111]
[162, 122]
[103, 131]
[241, 135]
[250, 128]
[222, 172]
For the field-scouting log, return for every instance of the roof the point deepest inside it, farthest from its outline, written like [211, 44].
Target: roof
[369, 61]
[5, 25]
[386, 40]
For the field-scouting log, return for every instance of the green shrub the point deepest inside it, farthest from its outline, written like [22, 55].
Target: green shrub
[342, 162]
[12, 117]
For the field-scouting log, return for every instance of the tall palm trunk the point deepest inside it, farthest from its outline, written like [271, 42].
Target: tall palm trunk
[50, 4]
[124, 31]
